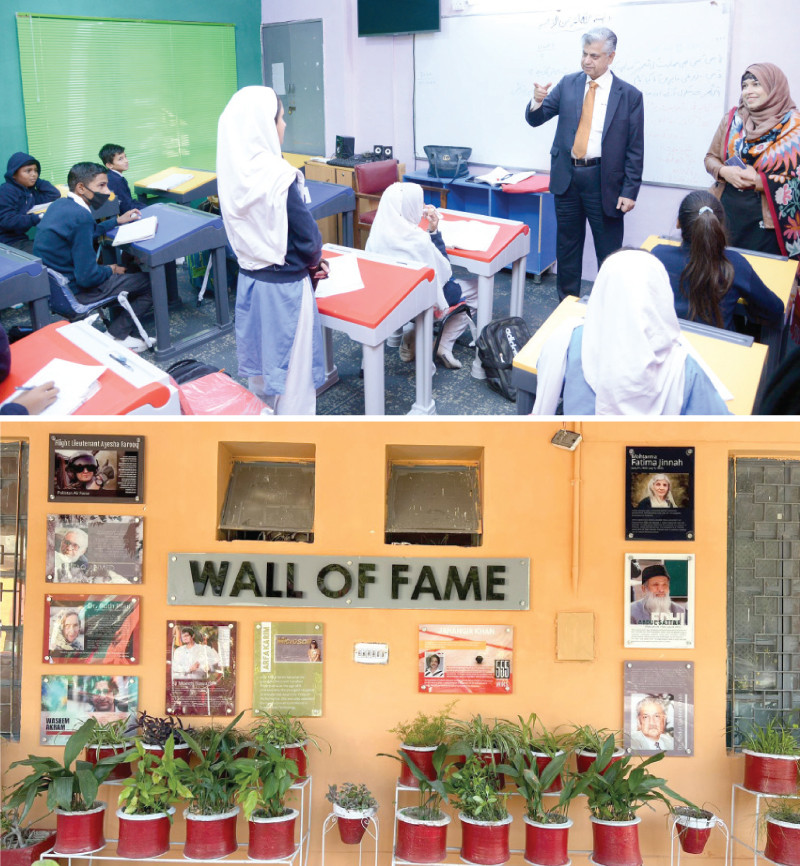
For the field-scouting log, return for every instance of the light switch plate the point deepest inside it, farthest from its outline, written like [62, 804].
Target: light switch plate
[371, 653]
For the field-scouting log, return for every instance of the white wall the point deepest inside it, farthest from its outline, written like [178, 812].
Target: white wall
[369, 85]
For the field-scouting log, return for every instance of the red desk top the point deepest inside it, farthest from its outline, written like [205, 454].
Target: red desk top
[385, 286]
[115, 397]
[536, 183]
[501, 240]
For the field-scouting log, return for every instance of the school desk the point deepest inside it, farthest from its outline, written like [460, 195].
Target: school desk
[182, 231]
[331, 199]
[201, 185]
[778, 274]
[23, 280]
[104, 212]
[138, 388]
[529, 202]
[510, 247]
[393, 294]
[735, 358]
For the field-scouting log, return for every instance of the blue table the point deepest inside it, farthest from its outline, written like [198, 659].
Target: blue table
[23, 280]
[330, 199]
[536, 209]
[182, 231]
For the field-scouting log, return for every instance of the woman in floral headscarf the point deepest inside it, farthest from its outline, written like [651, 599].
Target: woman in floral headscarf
[755, 159]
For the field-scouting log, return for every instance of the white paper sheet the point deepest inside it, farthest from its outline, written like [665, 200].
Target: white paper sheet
[76, 383]
[344, 276]
[136, 230]
[170, 181]
[468, 234]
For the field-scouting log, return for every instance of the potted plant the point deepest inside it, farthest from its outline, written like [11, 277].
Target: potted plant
[145, 803]
[771, 755]
[262, 785]
[154, 731]
[110, 738]
[212, 810]
[493, 741]
[71, 788]
[541, 746]
[783, 833]
[616, 791]
[288, 734]
[694, 827]
[422, 829]
[485, 822]
[419, 739]
[20, 843]
[546, 825]
[234, 741]
[586, 741]
[353, 805]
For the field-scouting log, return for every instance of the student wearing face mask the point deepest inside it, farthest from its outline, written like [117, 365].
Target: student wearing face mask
[64, 242]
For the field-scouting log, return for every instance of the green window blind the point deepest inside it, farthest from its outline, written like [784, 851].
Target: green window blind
[155, 87]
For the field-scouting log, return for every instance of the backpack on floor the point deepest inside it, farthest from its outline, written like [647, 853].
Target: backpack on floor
[189, 369]
[498, 344]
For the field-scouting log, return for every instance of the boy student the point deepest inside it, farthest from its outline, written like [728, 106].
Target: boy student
[113, 158]
[64, 243]
[22, 190]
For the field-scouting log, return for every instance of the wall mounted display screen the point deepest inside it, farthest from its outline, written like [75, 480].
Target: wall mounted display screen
[388, 17]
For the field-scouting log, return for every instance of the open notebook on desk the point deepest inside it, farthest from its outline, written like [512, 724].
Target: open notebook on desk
[76, 383]
[170, 181]
[136, 230]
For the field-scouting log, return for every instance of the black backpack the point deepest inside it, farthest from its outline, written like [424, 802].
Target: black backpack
[189, 369]
[498, 344]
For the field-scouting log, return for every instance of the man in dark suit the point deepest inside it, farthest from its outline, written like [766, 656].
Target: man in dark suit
[597, 154]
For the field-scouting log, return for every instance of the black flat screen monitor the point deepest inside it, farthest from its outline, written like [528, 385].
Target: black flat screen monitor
[395, 17]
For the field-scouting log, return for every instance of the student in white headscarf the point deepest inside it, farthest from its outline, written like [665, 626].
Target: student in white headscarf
[276, 241]
[396, 232]
[627, 357]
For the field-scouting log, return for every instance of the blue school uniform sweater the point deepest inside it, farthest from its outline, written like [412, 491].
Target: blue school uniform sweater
[119, 186]
[64, 243]
[16, 200]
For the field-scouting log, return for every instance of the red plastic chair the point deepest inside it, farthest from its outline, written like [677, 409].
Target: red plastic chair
[370, 181]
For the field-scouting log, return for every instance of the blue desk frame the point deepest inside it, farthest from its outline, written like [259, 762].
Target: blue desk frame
[182, 231]
[537, 209]
[23, 280]
[331, 199]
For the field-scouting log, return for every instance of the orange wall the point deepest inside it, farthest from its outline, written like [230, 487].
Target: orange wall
[528, 490]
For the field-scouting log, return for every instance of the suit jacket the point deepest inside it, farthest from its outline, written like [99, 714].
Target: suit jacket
[622, 149]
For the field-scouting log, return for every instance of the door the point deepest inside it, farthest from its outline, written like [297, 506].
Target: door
[293, 67]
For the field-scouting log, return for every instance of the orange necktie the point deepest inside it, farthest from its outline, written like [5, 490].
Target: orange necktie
[585, 125]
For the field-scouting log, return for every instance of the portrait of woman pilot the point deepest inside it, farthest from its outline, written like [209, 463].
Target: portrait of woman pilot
[659, 493]
[82, 471]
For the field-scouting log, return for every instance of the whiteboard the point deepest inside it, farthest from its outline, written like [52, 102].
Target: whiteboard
[474, 79]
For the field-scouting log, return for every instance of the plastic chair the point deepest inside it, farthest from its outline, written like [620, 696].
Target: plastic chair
[370, 181]
[64, 303]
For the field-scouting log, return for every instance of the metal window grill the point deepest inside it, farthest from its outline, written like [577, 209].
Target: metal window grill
[763, 593]
[13, 545]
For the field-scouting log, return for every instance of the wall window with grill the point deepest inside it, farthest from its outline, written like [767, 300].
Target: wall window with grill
[270, 497]
[434, 499]
[13, 561]
[763, 594]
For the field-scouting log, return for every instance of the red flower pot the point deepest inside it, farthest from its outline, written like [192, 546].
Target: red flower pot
[484, 842]
[97, 753]
[421, 841]
[422, 757]
[616, 843]
[546, 844]
[80, 832]
[770, 774]
[272, 838]
[209, 837]
[297, 752]
[490, 758]
[783, 842]
[142, 836]
[352, 825]
[181, 750]
[585, 758]
[693, 832]
[542, 760]
[41, 841]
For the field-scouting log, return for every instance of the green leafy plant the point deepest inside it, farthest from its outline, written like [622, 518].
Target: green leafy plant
[618, 789]
[154, 785]
[280, 729]
[587, 738]
[71, 785]
[263, 783]
[475, 735]
[113, 733]
[432, 792]
[474, 790]
[425, 729]
[156, 730]
[209, 780]
[784, 810]
[532, 783]
[535, 737]
[232, 741]
[352, 797]
[775, 738]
